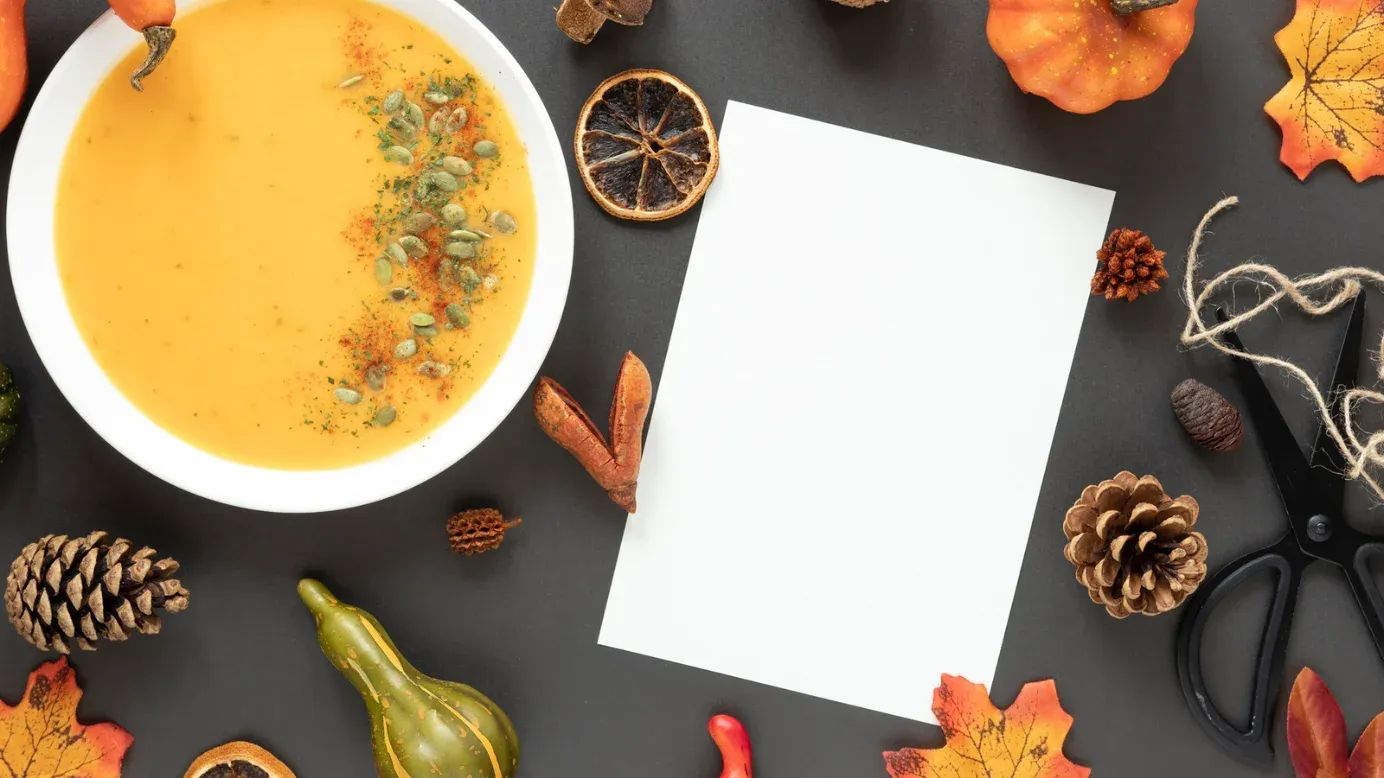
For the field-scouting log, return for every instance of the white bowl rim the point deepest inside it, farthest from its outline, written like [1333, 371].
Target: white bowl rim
[39, 291]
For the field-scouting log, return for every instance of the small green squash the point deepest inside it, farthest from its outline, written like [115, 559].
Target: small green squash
[421, 727]
[9, 409]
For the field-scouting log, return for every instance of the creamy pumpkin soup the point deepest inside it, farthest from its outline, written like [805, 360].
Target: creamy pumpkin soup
[309, 240]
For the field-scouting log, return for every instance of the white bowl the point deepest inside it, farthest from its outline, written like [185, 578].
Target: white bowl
[34, 267]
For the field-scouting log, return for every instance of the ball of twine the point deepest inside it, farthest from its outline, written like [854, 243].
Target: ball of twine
[1313, 294]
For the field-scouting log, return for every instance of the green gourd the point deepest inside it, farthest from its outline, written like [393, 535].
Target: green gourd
[421, 727]
[9, 409]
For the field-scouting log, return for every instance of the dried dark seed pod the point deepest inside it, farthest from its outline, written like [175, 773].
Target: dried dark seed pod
[1126, 7]
[1208, 417]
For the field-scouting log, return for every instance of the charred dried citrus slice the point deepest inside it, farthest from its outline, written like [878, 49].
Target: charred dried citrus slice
[645, 146]
[238, 760]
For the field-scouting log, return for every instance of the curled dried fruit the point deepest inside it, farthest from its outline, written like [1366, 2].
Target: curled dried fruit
[614, 465]
[1208, 417]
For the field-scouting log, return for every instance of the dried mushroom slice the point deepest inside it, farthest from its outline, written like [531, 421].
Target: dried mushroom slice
[645, 146]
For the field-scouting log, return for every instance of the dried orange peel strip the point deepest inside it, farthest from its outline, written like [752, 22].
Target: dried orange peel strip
[614, 465]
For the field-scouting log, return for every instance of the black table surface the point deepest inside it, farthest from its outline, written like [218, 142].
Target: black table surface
[521, 624]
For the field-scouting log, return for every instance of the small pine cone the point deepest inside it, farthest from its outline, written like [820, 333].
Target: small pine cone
[1129, 266]
[1208, 417]
[1133, 547]
[63, 592]
[478, 531]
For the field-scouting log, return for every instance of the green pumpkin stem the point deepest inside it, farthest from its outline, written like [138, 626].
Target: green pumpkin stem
[160, 40]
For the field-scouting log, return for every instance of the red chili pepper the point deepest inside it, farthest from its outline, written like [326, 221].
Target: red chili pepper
[730, 736]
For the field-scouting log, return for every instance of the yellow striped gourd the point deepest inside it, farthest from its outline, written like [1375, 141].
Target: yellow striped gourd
[421, 727]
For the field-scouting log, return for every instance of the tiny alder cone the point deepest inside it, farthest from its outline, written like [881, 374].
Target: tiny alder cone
[1129, 266]
[239, 759]
[65, 591]
[477, 531]
[1133, 546]
[1207, 417]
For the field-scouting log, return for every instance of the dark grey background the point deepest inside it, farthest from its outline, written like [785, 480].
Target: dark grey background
[521, 624]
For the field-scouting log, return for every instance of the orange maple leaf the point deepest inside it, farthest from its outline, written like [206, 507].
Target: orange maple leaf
[1025, 740]
[41, 738]
[1333, 108]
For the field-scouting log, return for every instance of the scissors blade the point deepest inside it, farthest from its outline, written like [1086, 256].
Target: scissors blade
[1327, 461]
[1291, 471]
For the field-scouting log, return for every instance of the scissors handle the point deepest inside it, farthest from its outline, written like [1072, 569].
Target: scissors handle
[1367, 592]
[1287, 562]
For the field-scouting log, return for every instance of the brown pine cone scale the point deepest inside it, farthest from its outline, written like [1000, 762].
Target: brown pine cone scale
[65, 591]
[1129, 266]
[1133, 546]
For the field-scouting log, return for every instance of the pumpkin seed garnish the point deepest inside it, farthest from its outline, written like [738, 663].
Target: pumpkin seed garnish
[437, 98]
[460, 249]
[398, 154]
[414, 246]
[406, 349]
[441, 180]
[385, 416]
[453, 214]
[456, 121]
[457, 315]
[414, 113]
[456, 166]
[481, 233]
[384, 271]
[425, 332]
[437, 123]
[469, 278]
[466, 235]
[418, 222]
[486, 148]
[422, 320]
[398, 294]
[504, 223]
[374, 378]
[449, 271]
[350, 82]
[397, 253]
[403, 128]
[490, 282]
[348, 396]
[393, 101]
[434, 369]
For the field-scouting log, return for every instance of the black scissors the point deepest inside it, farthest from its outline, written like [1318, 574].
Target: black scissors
[1313, 496]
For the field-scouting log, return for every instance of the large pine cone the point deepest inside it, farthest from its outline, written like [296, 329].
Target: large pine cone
[64, 591]
[1133, 546]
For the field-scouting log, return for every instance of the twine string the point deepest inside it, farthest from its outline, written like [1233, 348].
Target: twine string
[1313, 294]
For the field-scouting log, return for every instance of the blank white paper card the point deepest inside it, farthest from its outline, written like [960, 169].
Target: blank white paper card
[870, 332]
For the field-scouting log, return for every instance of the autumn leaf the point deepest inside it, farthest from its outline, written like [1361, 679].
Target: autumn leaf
[1316, 729]
[1367, 760]
[1024, 740]
[41, 738]
[1317, 735]
[1333, 108]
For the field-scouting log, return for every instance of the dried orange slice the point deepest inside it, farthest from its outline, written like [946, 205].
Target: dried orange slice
[645, 146]
[238, 760]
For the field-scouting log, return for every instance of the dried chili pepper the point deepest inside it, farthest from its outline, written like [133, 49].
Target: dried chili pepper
[614, 465]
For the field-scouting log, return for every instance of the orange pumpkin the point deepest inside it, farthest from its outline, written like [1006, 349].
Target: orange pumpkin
[1082, 55]
[14, 67]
